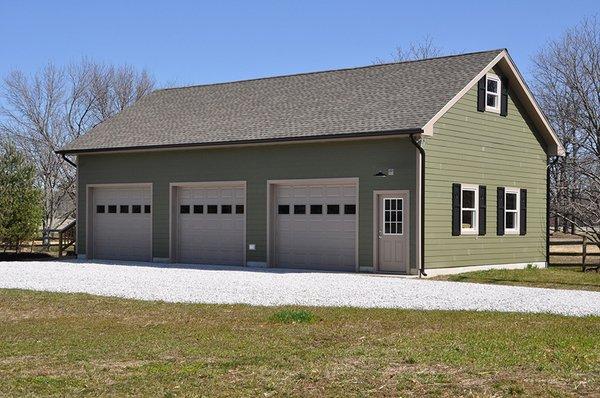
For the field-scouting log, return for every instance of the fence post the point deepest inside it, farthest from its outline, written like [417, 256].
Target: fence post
[584, 252]
[60, 244]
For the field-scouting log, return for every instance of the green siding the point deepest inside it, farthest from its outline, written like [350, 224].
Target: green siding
[483, 148]
[256, 165]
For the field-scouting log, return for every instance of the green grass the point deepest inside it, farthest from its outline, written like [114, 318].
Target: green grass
[292, 316]
[82, 345]
[553, 277]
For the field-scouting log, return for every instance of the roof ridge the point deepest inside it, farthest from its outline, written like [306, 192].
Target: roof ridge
[328, 70]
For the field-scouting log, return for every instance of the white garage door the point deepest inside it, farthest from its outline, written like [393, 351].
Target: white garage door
[122, 224]
[315, 226]
[211, 225]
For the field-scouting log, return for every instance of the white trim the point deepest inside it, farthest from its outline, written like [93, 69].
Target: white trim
[494, 77]
[431, 272]
[521, 89]
[517, 229]
[475, 190]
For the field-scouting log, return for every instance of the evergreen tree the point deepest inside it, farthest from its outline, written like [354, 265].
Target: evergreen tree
[21, 208]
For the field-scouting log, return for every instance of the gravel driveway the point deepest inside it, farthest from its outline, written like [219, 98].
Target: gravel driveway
[228, 285]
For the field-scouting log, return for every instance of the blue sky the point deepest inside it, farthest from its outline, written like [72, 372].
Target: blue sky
[195, 42]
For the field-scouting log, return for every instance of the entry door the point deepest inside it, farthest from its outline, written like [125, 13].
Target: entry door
[393, 232]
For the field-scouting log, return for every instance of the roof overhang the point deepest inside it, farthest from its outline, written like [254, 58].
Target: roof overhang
[271, 141]
[522, 92]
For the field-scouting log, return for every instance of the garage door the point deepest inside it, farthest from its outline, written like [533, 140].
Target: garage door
[211, 225]
[315, 226]
[122, 223]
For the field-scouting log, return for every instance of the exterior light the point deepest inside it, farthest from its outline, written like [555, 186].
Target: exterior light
[380, 174]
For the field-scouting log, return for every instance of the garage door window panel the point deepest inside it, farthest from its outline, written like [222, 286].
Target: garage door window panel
[136, 209]
[112, 209]
[212, 209]
[100, 209]
[184, 209]
[283, 209]
[225, 209]
[239, 209]
[349, 209]
[198, 209]
[333, 209]
[316, 209]
[299, 209]
[147, 209]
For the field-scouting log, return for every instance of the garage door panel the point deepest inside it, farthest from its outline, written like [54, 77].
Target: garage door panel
[211, 238]
[121, 236]
[322, 241]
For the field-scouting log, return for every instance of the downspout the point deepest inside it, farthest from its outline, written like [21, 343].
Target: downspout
[66, 159]
[422, 206]
[550, 164]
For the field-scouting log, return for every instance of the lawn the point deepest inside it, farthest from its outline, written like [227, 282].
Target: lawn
[74, 344]
[553, 277]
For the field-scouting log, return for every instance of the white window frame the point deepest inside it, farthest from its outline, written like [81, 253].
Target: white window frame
[400, 222]
[495, 78]
[516, 230]
[475, 229]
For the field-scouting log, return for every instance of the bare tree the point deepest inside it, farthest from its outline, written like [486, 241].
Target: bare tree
[426, 48]
[42, 113]
[567, 84]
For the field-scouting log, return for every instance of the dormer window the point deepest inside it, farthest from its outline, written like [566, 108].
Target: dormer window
[492, 93]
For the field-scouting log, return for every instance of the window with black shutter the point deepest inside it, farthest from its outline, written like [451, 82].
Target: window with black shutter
[523, 212]
[504, 97]
[500, 210]
[481, 94]
[482, 209]
[455, 209]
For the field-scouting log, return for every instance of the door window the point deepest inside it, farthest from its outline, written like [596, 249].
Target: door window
[392, 216]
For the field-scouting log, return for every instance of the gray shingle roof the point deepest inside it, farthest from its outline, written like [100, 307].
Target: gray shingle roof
[371, 99]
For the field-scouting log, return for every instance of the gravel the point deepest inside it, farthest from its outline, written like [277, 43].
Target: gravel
[269, 287]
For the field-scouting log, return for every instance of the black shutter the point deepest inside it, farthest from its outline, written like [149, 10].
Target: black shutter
[523, 213]
[481, 94]
[504, 97]
[455, 209]
[500, 211]
[482, 209]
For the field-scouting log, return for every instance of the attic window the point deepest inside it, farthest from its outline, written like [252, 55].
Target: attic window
[492, 93]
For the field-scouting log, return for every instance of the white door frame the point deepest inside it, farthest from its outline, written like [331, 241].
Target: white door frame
[89, 213]
[271, 184]
[200, 184]
[376, 194]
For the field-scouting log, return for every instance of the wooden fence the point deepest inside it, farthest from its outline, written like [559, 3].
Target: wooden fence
[59, 240]
[583, 251]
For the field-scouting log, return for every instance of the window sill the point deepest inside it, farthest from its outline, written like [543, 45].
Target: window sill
[468, 232]
[507, 232]
[493, 110]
